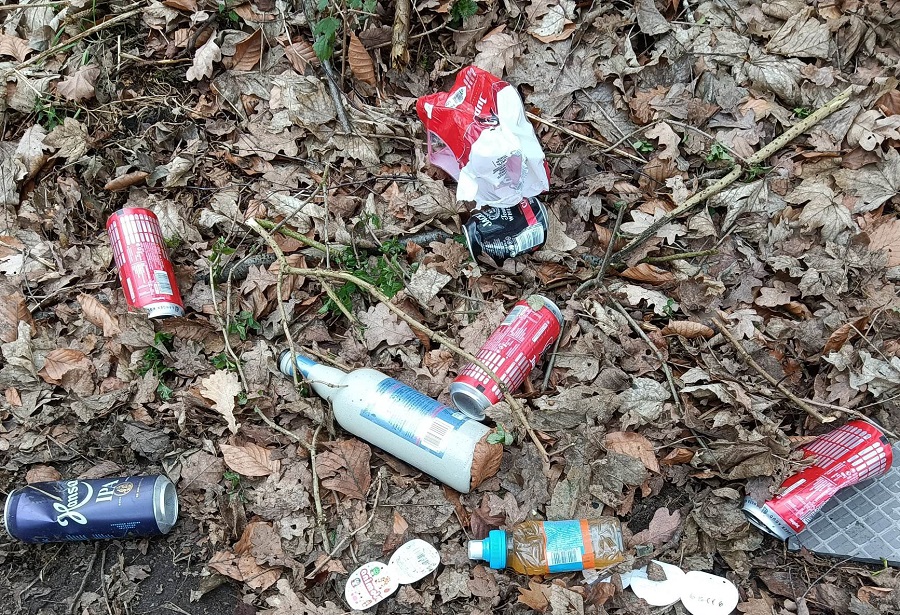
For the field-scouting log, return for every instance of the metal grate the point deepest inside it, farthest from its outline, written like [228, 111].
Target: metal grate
[861, 522]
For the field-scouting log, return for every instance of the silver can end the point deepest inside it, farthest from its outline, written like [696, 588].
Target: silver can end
[165, 504]
[765, 519]
[468, 400]
[163, 310]
[6, 513]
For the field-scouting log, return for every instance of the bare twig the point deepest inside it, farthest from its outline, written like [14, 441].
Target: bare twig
[582, 137]
[312, 243]
[678, 257]
[598, 279]
[81, 35]
[552, 359]
[723, 329]
[346, 539]
[762, 155]
[15, 7]
[87, 573]
[400, 34]
[223, 325]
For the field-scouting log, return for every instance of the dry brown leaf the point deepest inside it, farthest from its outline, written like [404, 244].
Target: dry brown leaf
[634, 445]
[250, 459]
[80, 85]
[249, 14]
[41, 474]
[125, 181]
[645, 272]
[382, 325]
[61, 361]
[497, 51]
[221, 388]
[70, 138]
[886, 236]
[30, 151]
[244, 568]
[397, 535]
[843, 333]
[688, 329]
[344, 467]
[13, 397]
[97, 314]
[300, 54]
[662, 528]
[184, 5]
[13, 310]
[677, 455]
[15, 47]
[247, 52]
[537, 596]
[360, 61]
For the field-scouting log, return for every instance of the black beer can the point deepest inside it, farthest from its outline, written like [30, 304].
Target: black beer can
[66, 510]
[507, 232]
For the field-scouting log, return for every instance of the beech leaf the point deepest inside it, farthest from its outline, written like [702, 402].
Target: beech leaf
[360, 61]
[250, 459]
[634, 445]
[97, 314]
[688, 329]
[61, 361]
[344, 467]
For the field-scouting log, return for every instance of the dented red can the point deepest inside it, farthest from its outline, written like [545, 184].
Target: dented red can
[145, 270]
[841, 458]
[511, 351]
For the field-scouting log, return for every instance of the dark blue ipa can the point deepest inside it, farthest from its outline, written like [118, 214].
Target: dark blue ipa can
[64, 510]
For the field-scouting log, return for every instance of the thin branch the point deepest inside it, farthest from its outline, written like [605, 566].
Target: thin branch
[723, 329]
[604, 264]
[761, 156]
[60, 47]
[678, 257]
[87, 573]
[224, 327]
[582, 137]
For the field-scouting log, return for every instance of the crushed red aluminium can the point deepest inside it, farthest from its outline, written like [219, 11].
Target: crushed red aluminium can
[841, 458]
[478, 133]
[511, 352]
[503, 233]
[148, 278]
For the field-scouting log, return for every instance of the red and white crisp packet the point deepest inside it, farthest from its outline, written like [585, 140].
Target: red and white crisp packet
[478, 133]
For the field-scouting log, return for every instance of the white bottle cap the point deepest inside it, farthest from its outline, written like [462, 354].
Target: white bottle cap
[476, 549]
[707, 594]
[414, 560]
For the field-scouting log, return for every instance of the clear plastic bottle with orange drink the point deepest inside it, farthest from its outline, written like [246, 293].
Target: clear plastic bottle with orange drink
[546, 547]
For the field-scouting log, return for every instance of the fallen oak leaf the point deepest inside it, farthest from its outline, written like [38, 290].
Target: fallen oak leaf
[221, 388]
[204, 58]
[70, 138]
[537, 596]
[15, 47]
[79, 85]
[382, 325]
[663, 527]
[250, 460]
[345, 468]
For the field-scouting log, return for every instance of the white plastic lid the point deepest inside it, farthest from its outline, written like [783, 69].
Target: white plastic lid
[370, 584]
[415, 560]
[476, 549]
[707, 594]
[658, 593]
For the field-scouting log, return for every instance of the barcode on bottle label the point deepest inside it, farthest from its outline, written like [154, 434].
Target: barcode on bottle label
[434, 437]
[562, 558]
[163, 285]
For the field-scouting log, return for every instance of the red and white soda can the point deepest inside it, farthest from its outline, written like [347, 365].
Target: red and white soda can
[841, 458]
[143, 262]
[511, 351]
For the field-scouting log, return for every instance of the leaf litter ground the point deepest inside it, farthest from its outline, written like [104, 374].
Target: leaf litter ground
[215, 115]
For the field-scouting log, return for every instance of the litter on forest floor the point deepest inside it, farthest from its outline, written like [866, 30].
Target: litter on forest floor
[103, 508]
[841, 458]
[479, 135]
[701, 593]
[421, 431]
[373, 581]
[860, 523]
